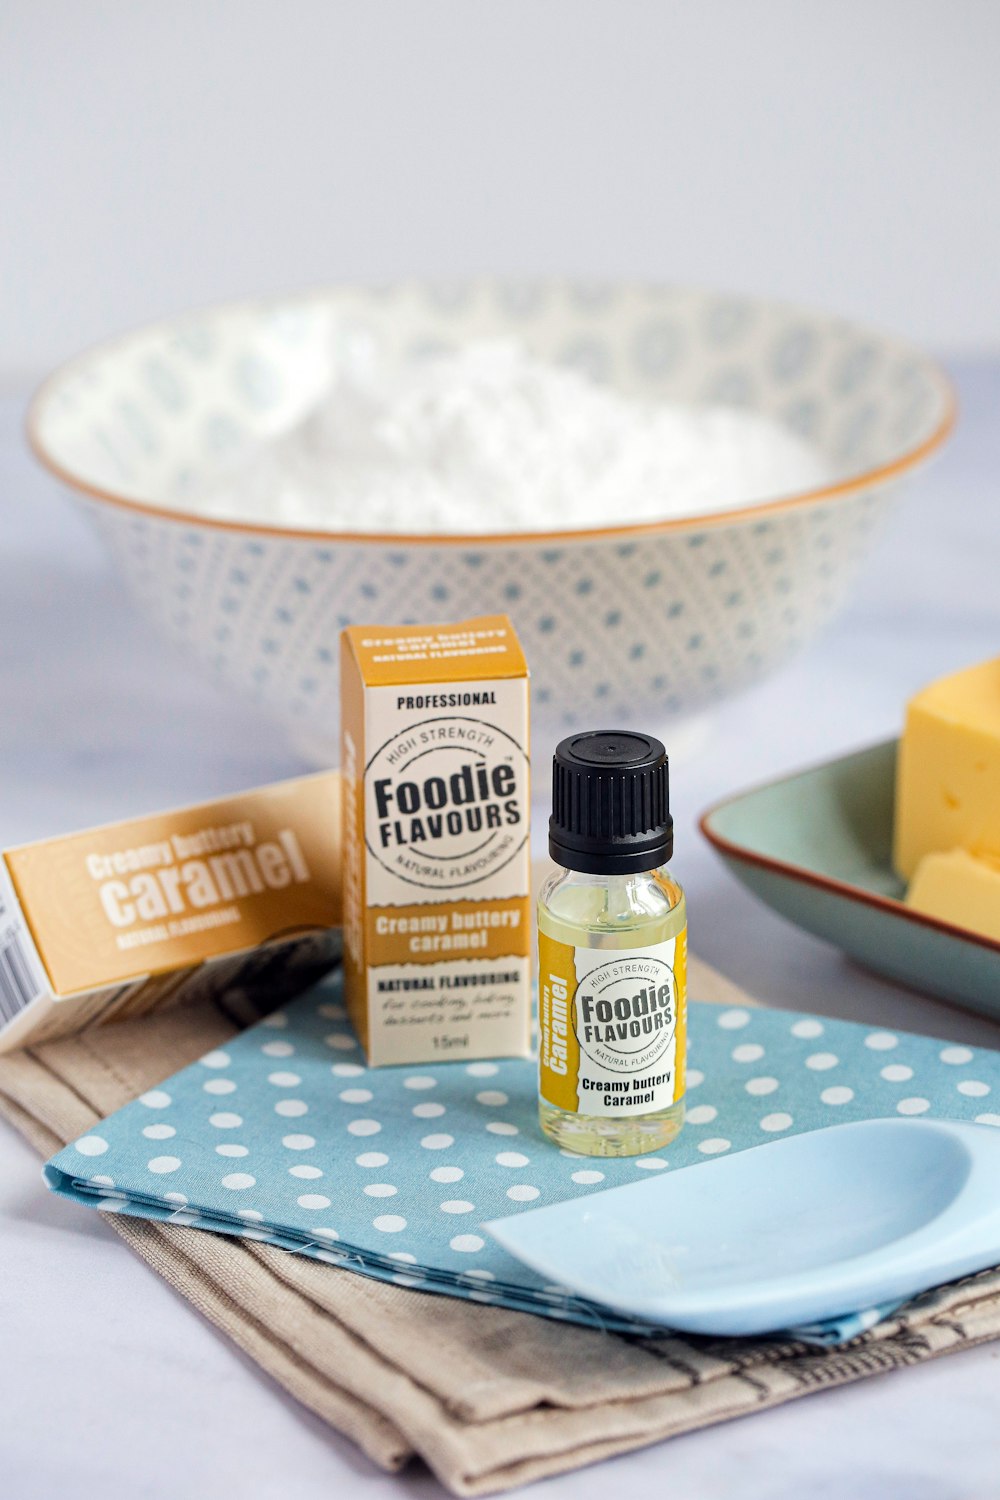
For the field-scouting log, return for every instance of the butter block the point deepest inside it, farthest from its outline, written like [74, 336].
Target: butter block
[948, 777]
[959, 888]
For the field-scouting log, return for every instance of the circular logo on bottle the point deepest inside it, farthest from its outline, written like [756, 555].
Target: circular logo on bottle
[446, 802]
[626, 1012]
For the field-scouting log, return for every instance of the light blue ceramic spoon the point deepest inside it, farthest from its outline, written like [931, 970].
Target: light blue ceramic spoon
[809, 1227]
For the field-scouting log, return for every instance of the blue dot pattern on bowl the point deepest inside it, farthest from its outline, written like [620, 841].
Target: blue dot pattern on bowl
[636, 629]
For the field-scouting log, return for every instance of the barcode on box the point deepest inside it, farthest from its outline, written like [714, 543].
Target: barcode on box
[18, 986]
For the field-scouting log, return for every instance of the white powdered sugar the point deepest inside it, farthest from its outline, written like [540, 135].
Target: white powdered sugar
[493, 439]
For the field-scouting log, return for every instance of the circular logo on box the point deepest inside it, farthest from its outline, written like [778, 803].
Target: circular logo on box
[446, 802]
[626, 1012]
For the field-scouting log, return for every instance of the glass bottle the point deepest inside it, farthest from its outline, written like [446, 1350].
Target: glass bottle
[612, 952]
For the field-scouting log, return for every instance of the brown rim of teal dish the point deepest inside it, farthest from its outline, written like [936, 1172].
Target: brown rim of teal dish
[881, 474]
[855, 893]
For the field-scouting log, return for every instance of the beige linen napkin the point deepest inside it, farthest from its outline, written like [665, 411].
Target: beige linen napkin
[489, 1398]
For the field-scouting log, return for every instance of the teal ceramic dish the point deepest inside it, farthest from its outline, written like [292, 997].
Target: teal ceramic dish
[816, 847]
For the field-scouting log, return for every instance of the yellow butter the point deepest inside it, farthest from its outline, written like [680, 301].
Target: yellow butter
[948, 778]
[958, 888]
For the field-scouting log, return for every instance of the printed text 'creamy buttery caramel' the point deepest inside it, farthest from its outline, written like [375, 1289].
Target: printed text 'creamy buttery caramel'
[436, 850]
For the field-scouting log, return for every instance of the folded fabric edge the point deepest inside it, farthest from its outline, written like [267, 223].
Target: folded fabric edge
[105, 1196]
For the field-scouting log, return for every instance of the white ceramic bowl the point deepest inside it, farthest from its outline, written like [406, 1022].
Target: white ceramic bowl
[634, 624]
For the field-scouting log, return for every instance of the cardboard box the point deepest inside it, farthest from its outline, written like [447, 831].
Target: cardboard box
[435, 770]
[119, 920]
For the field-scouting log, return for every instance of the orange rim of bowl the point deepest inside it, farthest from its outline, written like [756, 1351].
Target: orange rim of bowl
[869, 479]
[856, 893]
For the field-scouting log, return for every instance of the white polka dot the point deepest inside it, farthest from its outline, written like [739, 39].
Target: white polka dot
[955, 1056]
[290, 1108]
[511, 1159]
[747, 1052]
[838, 1094]
[457, 1206]
[404, 1256]
[585, 1177]
[446, 1174]
[380, 1190]
[501, 1127]
[437, 1142]
[973, 1089]
[694, 1077]
[99, 1180]
[897, 1073]
[466, 1244]
[91, 1145]
[285, 1080]
[702, 1114]
[237, 1181]
[364, 1127]
[331, 1257]
[277, 1019]
[154, 1099]
[651, 1163]
[428, 1111]
[253, 1214]
[356, 1096]
[913, 1106]
[881, 1041]
[176, 1197]
[327, 1234]
[762, 1085]
[231, 1151]
[779, 1121]
[277, 1049]
[330, 1012]
[807, 1029]
[478, 1274]
[492, 1096]
[158, 1132]
[389, 1223]
[340, 1041]
[215, 1060]
[819, 1062]
[347, 1070]
[304, 1170]
[419, 1081]
[734, 1020]
[164, 1164]
[110, 1206]
[298, 1142]
[225, 1121]
[522, 1193]
[372, 1159]
[482, 1070]
[313, 1200]
[988, 1119]
[714, 1145]
[219, 1086]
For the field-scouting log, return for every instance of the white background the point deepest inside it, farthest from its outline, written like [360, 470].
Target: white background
[157, 155]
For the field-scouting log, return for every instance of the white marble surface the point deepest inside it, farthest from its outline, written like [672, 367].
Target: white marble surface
[108, 1383]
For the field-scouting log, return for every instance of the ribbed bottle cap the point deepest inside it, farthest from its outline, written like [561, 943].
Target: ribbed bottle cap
[610, 803]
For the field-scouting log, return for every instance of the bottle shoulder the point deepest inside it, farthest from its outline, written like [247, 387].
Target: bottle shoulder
[623, 904]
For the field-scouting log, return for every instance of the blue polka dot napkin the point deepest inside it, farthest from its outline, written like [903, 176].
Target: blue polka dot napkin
[287, 1137]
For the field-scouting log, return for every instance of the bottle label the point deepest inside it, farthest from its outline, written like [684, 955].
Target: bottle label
[613, 1026]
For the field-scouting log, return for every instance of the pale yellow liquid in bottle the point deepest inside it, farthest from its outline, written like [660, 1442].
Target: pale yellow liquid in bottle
[615, 912]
